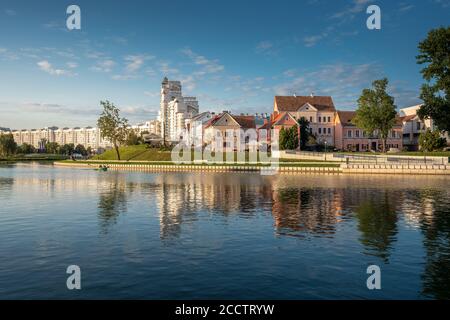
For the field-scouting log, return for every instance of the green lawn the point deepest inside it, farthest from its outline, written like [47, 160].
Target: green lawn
[34, 157]
[143, 153]
[136, 153]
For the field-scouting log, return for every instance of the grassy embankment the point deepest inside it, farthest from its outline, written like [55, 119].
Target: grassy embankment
[403, 153]
[142, 155]
[34, 157]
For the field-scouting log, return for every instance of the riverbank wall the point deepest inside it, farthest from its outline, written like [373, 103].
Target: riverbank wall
[343, 169]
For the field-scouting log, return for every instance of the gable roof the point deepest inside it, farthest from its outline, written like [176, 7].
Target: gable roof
[293, 103]
[408, 118]
[346, 117]
[243, 121]
[281, 117]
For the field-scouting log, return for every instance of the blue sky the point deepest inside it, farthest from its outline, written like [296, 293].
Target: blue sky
[233, 55]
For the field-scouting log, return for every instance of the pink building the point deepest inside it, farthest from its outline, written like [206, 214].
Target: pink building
[348, 137]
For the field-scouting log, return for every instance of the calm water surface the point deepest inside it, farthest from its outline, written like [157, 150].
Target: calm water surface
[228, 235]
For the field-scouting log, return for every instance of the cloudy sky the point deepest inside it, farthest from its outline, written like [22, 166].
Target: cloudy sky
[233, 55]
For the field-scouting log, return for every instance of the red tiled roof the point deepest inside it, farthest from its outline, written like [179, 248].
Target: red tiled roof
[408, 118]
[346, 117]
[244, 121]
[293, 103]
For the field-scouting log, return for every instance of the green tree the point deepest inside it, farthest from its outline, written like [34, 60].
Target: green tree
[8, 146]
[67, 149]
[304, 132]
[376, 111]
[80, 149]
[431, 141]
[26, 148]
[435, 54]
[288, 138]
[112, 126]
[52, 147]
[133, 139]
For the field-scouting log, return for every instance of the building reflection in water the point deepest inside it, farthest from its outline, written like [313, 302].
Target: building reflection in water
[298, 206]
[435, 226]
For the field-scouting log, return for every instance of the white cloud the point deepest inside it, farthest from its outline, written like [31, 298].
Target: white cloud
[72, 65]
[10, 12]
[264, 46]
[343, 82]
[167, 69]
[350, 11]
[105, 65]
[207, 66]
[405, 7]
[311, 41]
[135, 62]
[46, 66]
[124, 77]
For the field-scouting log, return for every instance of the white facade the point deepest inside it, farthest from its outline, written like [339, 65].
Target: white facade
[413, 126]
[88, 137]
[175, 109]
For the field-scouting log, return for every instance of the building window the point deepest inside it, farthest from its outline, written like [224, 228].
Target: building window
[357, 133]
[320, 130]
[310, 119]
[349, 133]
[418, 125]
[329, 119]
[329, 130]
[320, 119]
[310, 130]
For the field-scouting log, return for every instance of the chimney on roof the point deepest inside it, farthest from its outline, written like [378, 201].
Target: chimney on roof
[312, 95]
[295, 95]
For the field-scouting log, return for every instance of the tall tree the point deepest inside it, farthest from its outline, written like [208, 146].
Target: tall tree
[435, 54]
[67, 149]
[112, 126]
[52, 147]
[80, 149]
[304, 132]
[7, 145]
[26, 148]
[376, 111]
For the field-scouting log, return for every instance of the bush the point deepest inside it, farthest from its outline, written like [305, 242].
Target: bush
[431, 141]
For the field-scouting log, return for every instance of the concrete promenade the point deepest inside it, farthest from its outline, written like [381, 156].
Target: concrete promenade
[343, 169]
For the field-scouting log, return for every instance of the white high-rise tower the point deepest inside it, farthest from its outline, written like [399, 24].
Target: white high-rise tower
[175, 109]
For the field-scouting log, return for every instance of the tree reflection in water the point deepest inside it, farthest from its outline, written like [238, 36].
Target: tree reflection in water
[377, 222]
[112, 201]
[435, 225]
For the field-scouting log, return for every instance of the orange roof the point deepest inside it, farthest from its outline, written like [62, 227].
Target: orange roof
[293, 103]
[408, 118]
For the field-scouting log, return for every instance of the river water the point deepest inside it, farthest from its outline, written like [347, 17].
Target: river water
[221, 235]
